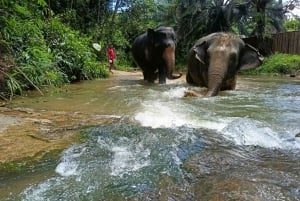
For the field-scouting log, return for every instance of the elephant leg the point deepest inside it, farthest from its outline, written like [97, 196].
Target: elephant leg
[162, 80]
[145, 75]
[162, 75]
[151, 77]
[148, 75]
[189, 78]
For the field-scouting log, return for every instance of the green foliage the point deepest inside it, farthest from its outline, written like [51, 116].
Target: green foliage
[51, 41]
[13, 85]
[44, 52]
[292, 24]
[26, 43]
[278, 64]
[73, 52]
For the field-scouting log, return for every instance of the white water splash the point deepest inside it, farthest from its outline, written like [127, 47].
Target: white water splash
[156, 114]
[69, 164]
[36, 193]
[67, 168]
[177, 92]
[128, 156]
[160, 115]
[125, 160]
[242, 131]
[245, 131]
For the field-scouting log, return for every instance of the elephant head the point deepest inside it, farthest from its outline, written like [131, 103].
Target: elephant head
[154, 52]
[214, 61]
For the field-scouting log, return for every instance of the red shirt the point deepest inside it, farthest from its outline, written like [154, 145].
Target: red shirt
[111, 53]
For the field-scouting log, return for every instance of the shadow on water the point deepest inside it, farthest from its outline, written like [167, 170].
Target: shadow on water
[240, 145]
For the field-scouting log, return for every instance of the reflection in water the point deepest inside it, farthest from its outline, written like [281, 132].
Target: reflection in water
[240, 145]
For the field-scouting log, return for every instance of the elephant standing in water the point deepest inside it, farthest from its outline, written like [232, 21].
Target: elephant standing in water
[154, 53]
[214, 61]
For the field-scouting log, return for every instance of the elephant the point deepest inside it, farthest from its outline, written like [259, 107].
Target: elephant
[154, 52]
[215, 60]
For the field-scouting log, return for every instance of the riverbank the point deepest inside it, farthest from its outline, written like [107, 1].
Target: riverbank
[29, 134]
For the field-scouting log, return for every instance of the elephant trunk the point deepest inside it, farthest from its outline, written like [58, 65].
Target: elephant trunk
[215, 80]
[169, 58]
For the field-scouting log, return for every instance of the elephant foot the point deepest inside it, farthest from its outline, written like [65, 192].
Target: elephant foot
[190, 93]
[162, 82]
[150, 81]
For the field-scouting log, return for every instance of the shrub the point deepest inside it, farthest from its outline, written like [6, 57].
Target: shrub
[278, 64]
[44, 52]
[32, 59]
[73, 52]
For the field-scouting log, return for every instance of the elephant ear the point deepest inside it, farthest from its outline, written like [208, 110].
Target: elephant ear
[250, 58]
[200, 52]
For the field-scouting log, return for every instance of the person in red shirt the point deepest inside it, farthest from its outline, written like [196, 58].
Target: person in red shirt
[111, 56]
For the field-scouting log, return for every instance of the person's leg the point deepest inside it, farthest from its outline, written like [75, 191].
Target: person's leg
[111, 63]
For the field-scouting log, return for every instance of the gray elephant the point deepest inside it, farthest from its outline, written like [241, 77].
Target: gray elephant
[214, 61]
[154, 53]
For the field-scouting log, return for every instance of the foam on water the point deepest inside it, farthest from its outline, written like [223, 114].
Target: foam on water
[244, 131]
[67, 168]
[160, 117]
[127, 156]
[69, 164]
[158, 114]
[177, 92]
[36, 193]
[125, 160]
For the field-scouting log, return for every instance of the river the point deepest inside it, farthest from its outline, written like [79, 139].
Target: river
[240, 145]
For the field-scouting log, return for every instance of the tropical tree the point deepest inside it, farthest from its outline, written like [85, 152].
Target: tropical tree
[196, 18]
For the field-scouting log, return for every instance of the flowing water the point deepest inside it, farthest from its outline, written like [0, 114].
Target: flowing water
[241, 145]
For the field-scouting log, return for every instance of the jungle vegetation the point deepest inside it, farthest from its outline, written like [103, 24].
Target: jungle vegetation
[49, 42]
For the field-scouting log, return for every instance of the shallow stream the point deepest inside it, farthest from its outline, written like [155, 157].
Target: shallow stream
[241, 145]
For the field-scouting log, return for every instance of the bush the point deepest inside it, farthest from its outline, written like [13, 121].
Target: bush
[32, 58]
[44, 52]
[73, 52]
[278, 64]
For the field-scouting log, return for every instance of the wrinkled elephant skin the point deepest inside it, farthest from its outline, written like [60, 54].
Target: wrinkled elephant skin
[214, 61]
[154, 53]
